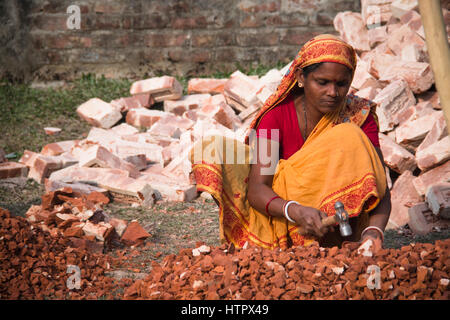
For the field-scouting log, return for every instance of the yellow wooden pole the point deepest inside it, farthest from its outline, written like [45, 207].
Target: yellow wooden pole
[438, 50]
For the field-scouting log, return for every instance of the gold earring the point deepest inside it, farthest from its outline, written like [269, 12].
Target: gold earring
[300, 85]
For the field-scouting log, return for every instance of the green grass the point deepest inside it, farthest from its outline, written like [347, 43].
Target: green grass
[25, 112]
[18, 195]
[174, 225]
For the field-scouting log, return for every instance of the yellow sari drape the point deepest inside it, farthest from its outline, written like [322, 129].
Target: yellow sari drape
[337, 162]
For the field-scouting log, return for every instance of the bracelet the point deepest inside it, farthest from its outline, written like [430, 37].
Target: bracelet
[374, 228]
[285, 209]
[267, 205]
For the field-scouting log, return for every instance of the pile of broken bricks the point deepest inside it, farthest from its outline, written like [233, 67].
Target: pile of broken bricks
[137, 153]
[393, 70]
[81, 220]
[417, 271]
[34, 265]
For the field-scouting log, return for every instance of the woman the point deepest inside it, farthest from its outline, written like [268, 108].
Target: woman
[327, 143]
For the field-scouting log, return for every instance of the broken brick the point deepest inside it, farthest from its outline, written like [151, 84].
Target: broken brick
[12, 170]
[99, 113]
[206, 85]
[134, 234]
[160, 88]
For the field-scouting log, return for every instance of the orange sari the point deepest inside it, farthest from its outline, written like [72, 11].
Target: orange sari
[337, 162]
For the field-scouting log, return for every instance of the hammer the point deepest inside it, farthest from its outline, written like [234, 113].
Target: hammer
[340, 217]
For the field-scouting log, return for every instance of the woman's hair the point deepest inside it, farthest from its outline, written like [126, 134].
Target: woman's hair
[307, 70]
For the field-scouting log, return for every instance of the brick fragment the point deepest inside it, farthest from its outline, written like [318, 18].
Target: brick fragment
[101, 157]
[414, 112]
[122, 188]
[134, 234]
[240, 91]
[434, 154]
[124, 129]
[402, 37]
[389, 68]
[271, 79]
[436, 175]
[101, 230]
[216, 108]
[189, 102]
[138, 160]
[430, 96]
[42, 166]
[403, 195]
[165, 129]
[368, 93]
[376, 12]
[377, 35]
[161, 88]
[58, 148]
[119, 225]
[75, 230]
[99, 113]
[85, 244]
[392, 100]
[395, 156]
[437, 132]
[417, 221]
[152, 151]
[143, 117]
[170, 120]
[51, 131]
[10, 169]
[169, 188]
[413, 20]
[79, 189]
[438, 199]
[352, 29]
[411, 134]
[206, 85]
[362, 76]
[400, 7]
[125, 104]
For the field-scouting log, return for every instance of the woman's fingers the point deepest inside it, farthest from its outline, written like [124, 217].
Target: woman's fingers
[311, 222]
[324, 229]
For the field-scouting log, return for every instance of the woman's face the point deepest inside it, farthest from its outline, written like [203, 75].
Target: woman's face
[326, 87]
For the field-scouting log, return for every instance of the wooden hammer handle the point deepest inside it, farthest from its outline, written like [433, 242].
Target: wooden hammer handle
[329, 221]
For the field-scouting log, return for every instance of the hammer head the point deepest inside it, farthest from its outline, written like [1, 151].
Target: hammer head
[342, 218]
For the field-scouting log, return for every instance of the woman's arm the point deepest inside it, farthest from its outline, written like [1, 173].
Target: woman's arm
[379, 217]
[260, 193]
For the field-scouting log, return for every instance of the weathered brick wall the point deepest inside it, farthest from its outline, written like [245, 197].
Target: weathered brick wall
[137, 38]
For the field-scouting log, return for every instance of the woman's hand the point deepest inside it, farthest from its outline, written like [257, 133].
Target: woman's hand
[371, 242]
[309, 220]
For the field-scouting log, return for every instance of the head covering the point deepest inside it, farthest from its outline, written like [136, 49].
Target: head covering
[323, 48]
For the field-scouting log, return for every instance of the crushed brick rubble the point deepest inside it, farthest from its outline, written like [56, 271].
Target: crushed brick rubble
[81, 219]
[416, 271]
[34, 265]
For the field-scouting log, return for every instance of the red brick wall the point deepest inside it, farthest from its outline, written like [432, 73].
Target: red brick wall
[138, 38]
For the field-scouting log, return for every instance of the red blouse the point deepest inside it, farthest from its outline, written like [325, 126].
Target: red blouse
[284, 118]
